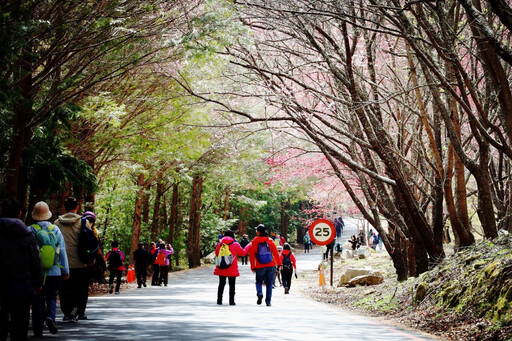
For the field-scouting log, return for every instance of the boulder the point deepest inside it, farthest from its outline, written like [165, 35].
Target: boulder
[421, 292]
[350, 273]
[209, 259]
[365, 280]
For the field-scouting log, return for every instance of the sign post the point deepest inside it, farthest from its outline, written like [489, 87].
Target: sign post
[323, 232]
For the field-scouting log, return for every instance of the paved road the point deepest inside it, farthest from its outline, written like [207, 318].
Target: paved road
[187, 310]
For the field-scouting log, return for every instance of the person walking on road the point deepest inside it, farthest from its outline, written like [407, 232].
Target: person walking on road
[115, 259]
[142, 260]
[22, 273]
[264, 259]
[243, 243]
[278, 273]
[52, 249]
[289, 264]
[75, 291]
[306, 243]
[227, 252]
[162, 259]
[153, 252]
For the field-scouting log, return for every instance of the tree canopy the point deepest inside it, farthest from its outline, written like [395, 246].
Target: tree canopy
[178, 120]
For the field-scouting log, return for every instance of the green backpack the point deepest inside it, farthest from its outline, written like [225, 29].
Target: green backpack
[48, 246]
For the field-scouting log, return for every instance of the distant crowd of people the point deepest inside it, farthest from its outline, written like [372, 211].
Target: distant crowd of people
[374, 240]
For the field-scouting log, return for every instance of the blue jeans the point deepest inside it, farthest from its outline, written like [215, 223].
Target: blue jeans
[267, 275]
[46, 303]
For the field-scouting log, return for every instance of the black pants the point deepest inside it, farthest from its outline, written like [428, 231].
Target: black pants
[306, 247]
[15, 302]
[117, 275]
[220, 290]
[329, 249]
[156, 273]
[75, 292]
[141, 272]
[164, 274]
[244, 259]
[286, 277]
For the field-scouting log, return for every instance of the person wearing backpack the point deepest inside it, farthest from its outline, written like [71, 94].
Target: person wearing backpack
[75, 291]
[52, 249]
[22, 272]
[227, 252]
[264, 259]
[288, 264]
[115, 259]
[162, 259]
[306, 243]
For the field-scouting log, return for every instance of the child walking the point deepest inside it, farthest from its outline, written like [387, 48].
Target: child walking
[288, 265]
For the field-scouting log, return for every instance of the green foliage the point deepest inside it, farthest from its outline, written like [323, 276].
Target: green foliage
[211, 226]
[51, 167]
[114, 208]
[384, 303]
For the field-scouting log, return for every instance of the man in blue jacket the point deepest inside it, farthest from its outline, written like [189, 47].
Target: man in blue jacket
[22, 273]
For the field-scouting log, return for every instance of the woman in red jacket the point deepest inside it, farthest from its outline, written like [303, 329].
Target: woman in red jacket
[227, 252]
[288, 264]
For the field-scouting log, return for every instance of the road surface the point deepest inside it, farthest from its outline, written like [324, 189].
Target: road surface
[187, 310]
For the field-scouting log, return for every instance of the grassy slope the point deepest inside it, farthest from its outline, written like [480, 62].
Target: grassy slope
[467, 297]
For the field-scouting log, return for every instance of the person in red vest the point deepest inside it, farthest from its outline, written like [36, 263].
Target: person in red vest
[264, 259]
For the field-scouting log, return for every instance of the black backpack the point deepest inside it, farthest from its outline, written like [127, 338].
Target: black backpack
[287, 262]
[88, 245]
[115, 260]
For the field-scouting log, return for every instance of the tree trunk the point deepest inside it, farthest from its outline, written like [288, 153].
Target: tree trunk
[21, 134]
[194, 252]
[285, 218]
[462, 238]
[242, 222]
[508, 219]
[155, 224]
[165, 217]
[174, 214]
[485, 207]
[145, 206]
[398, 252]
[226, 204]
[137, 217]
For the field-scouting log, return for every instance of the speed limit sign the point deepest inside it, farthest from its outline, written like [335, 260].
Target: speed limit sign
[322, 232]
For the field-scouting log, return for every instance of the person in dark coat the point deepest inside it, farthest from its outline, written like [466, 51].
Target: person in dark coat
[243, 244]
[22, 272]
[142, 260]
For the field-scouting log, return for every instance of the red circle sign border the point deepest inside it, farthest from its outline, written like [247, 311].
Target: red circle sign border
[325, 221]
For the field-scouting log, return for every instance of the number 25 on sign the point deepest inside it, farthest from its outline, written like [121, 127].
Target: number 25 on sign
[322, 232]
